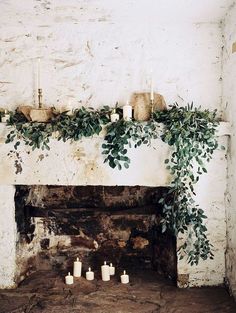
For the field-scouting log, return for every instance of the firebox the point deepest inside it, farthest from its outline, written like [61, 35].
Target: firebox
[118, 224]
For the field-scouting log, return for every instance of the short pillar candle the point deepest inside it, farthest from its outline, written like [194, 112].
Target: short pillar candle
[112, 269]
[69, 279]
[90, 274]
[105, 272]
[124, 278]
[77, 268]
[127, 112]
[114, 116]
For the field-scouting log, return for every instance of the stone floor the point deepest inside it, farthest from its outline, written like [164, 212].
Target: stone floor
[45, 292]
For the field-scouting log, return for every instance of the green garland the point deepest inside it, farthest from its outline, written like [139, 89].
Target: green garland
[190, 133]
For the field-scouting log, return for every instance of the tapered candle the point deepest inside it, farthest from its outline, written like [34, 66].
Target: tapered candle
[39, 82]
[152, 94]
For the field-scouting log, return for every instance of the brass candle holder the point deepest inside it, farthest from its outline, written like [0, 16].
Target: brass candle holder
[152, 107]
[40, 97]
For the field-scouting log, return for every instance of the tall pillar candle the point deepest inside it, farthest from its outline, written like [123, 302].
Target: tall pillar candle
[124, 278]
[105, 272]
[127, 112]
[77, 268]
[69, 279]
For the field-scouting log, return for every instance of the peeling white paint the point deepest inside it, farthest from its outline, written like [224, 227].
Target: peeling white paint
[7, 237]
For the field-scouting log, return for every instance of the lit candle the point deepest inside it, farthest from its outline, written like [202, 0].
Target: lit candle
[105, 272]
[39, 82]
[77, 268]
[5, 117]
[114, 116]
[112, 269]
[124, 278]
[69, 279]
[127, 112]
[90, 274]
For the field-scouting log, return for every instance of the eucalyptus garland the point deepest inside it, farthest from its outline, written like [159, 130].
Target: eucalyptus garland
[189, 131]
[191, 134]
[121, 135]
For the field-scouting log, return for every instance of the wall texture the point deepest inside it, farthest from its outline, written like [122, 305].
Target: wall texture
[96, 53]
[7, 236]
[229, 100]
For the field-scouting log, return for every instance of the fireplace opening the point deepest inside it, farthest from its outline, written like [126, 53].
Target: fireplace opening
[117, 224]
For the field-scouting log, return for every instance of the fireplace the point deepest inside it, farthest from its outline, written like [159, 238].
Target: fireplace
[119, 224]
[43, 238]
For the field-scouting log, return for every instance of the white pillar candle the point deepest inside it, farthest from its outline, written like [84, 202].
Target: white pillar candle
[114, 116]
[124, 278]
[105, 272]
[77, 268]
[5, 117]
[112, 269]
[90, 274]
[127, 112]
[69, 279]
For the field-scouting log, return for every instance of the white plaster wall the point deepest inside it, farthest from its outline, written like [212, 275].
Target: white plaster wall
[98, 52]
[229, 104]
[7, 236]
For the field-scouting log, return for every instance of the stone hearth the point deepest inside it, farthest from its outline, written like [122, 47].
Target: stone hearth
[119, 224]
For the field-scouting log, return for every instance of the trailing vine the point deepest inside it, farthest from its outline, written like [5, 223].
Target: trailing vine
[121, 135]
[189, 131]
[191, 134]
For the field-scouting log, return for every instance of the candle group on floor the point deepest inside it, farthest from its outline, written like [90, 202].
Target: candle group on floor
[106, 272]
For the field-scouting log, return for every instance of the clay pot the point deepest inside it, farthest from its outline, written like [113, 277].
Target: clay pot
[41, 115]
[25, 109]
[141, 105]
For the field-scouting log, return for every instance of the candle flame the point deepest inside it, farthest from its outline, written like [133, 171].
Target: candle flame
[105, 263]
[89, 269]
[124, 272]
[77, 259]
[68, 273]
[110, 264]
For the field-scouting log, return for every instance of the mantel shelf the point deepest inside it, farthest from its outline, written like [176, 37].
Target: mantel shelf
[82, 163]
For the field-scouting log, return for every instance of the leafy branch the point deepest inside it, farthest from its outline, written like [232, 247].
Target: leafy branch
[121, 135]
[191, 134]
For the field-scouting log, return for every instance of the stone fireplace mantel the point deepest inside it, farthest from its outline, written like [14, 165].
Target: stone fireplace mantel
[82, 164]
